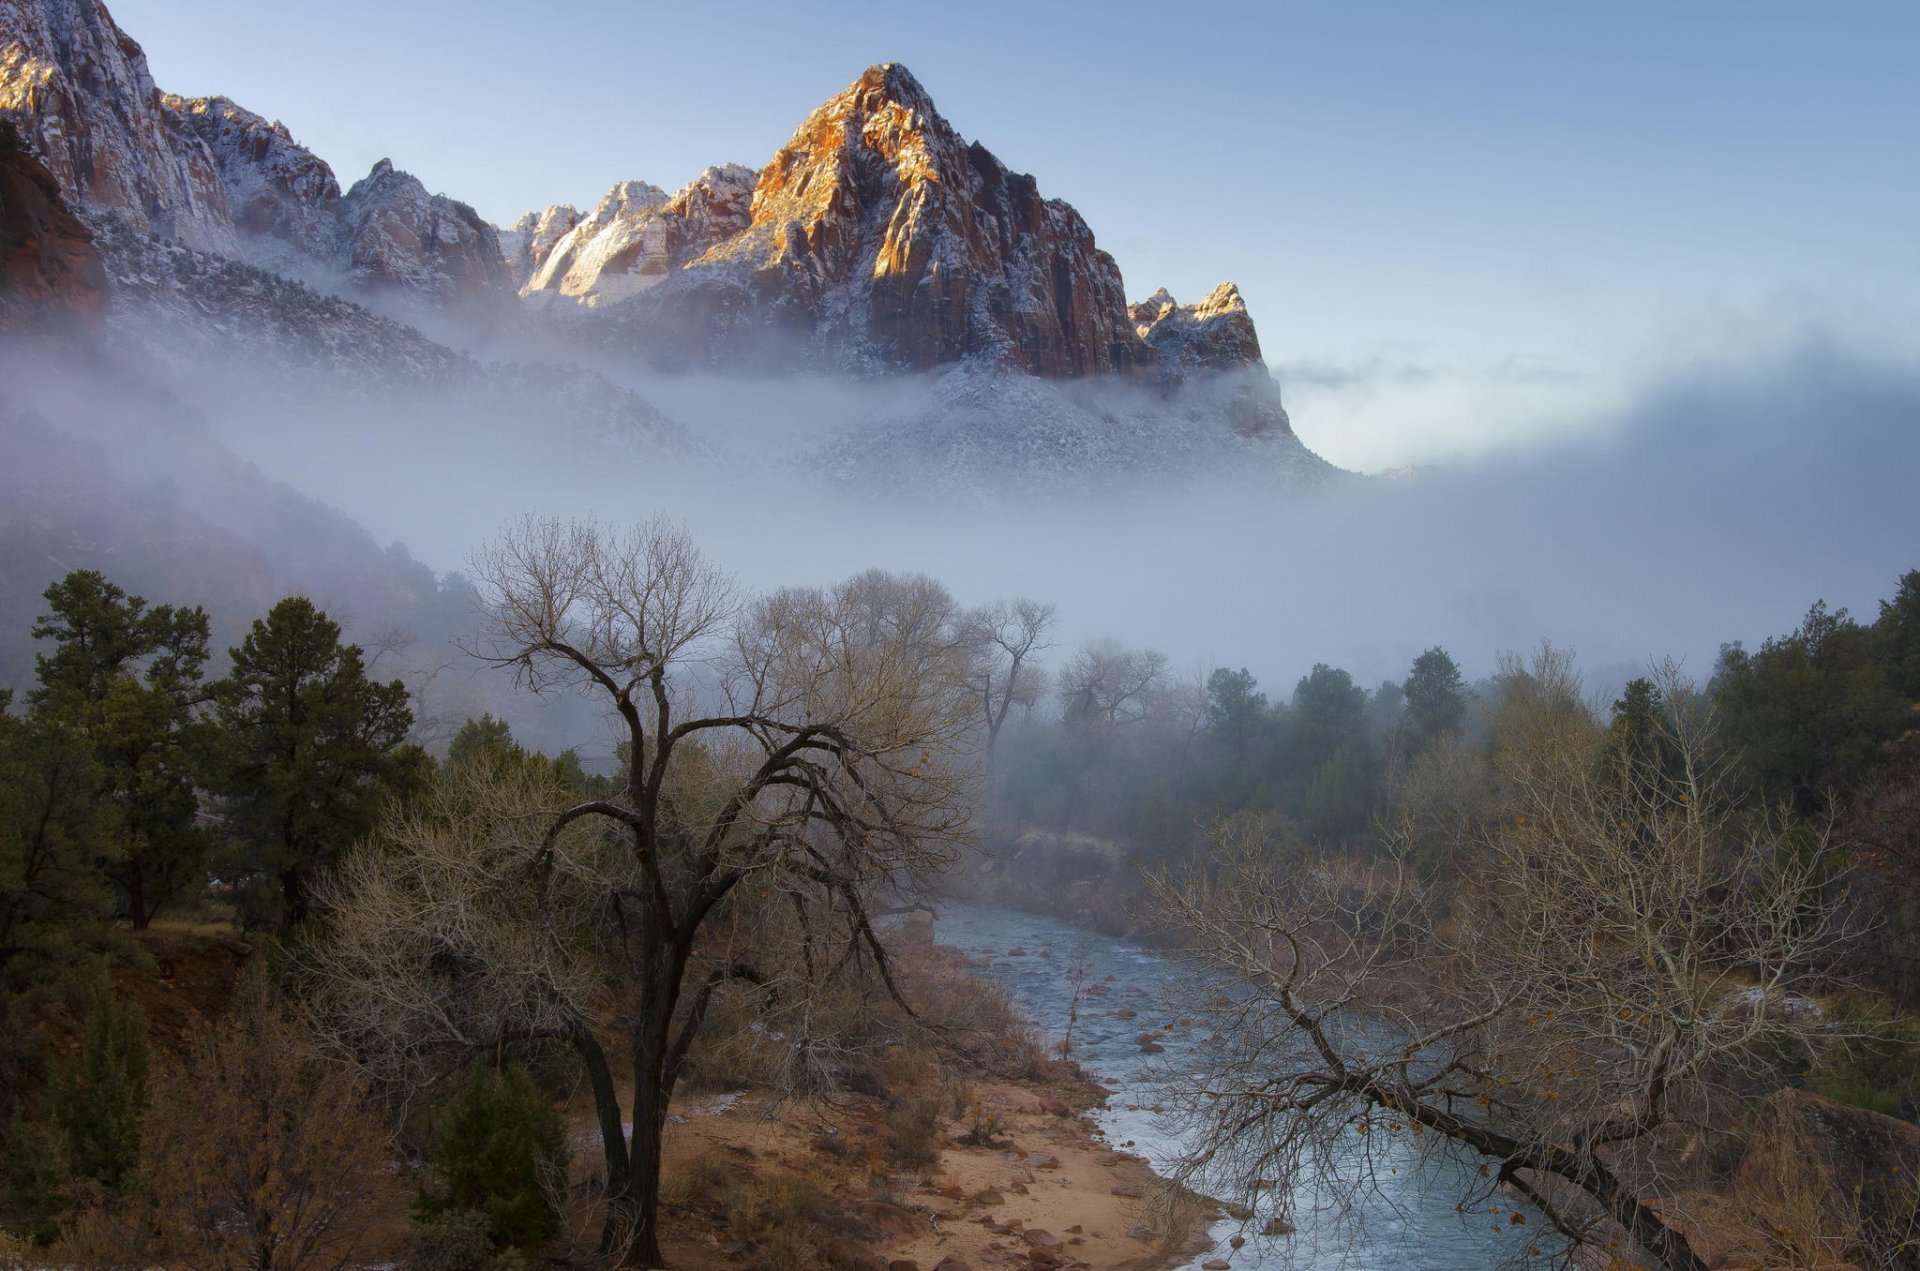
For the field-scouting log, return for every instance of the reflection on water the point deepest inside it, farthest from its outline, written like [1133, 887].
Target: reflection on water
[1410, 1222]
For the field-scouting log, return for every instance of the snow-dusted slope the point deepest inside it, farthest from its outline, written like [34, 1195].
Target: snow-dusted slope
[987, 435]
[79, 90]
[214, 319]
[214, 176]
[879, 241]
[397, 237]
[636, 237]
[284, 200]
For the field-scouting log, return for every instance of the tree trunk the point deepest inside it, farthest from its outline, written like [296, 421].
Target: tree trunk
[137, 909]
[633, 1214]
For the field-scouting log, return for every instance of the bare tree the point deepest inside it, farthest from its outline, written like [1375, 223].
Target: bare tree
[1620, 967]
[805, 750]
[1109, 682]
[1004, 638]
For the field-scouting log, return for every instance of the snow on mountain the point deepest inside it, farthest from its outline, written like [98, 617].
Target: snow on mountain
[218, 322]
[213, 176]
[396, 237]
[880, 240]
[528, 242]
[635, 237]
[1215, 334]
[986, 435]
[79, 90]
[284, 200]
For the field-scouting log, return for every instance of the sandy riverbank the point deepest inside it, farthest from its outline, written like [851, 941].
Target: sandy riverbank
[1047, 1192]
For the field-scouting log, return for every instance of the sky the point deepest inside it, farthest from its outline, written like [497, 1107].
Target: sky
[1462, 229]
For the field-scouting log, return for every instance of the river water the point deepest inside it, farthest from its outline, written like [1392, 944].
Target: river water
[1410, 1221]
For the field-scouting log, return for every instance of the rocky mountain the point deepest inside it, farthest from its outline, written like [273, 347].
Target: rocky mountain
[50, 274]
[79, 90]
[635, 238]
[1214, 335]
[396, 238]
[278, 192]
[213, 176]
[879, 240]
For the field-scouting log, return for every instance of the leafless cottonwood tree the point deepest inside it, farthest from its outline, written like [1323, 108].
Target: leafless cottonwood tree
[807, 749]
[1616, 974]
[1006, 638]
[1107, 681]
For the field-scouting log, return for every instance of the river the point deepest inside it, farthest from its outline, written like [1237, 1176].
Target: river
[1409, 1222]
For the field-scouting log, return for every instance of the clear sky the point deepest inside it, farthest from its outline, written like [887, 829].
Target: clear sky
[1458, 226]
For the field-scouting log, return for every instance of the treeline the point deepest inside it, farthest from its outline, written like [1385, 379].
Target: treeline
[1113, 748]
[1115, 745]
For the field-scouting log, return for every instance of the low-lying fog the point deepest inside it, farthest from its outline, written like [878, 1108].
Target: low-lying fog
[1715, 508]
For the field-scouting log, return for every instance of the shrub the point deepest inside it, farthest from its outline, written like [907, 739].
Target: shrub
[699, 1178]
[453, 1240]
[271, 1157]
[99, 1103]
[501, 1152]
[913, 1131]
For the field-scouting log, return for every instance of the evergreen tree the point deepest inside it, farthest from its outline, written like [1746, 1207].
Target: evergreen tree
[1436, 696]
[1236, 709]
[1811, 710]
[312, 747]
[1335, 807]
[99, 1103]
[501, 1152]
[1898, 636]
[127, 679]
[55, 904]
[485, 738]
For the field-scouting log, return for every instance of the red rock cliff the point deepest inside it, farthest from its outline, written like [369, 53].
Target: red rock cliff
[879, 239]
[49, 271]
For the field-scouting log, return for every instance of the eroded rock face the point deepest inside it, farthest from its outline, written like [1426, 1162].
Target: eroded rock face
[208, 174]
[79, 89]
[879, 239]
[638, 236]
[398, 237]
[1216, 334]
[528, 242]
[276, 189]
[49, 270]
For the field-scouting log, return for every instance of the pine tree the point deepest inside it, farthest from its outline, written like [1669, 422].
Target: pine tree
[1436, 695]
[55, 904]
[127, 679]
[312, 748]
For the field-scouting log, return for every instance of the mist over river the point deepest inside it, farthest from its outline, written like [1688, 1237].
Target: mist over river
[1410, 1221]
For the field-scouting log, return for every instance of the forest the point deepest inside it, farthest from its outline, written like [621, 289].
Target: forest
[281, 987]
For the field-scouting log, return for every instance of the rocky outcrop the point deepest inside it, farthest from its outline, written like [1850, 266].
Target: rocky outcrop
[279, 194]
[880, 240]
[50, 274]
[1216, 334]
[636, 237]
[528, 242]
[398, 238]
[79, 89]
[210, 175]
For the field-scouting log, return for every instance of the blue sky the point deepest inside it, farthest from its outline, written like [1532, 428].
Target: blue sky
[1460, 227]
